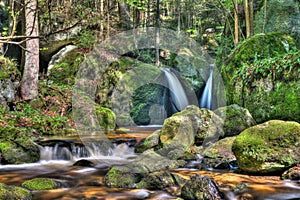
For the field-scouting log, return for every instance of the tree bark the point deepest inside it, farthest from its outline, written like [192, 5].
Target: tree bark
[236, 22]
[251, 17]
[247, 19]
[29, 86]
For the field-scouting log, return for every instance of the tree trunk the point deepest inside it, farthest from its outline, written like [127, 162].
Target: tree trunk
[251, 17]
[29, 87]
[236, 22]
[157, 39]
[247, 19]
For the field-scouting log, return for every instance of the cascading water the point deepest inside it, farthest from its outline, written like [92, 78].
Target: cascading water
[179, 99]
[75, 151]
[206, 98]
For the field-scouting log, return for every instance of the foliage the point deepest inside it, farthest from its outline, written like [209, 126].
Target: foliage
[8, 68]
[86, 39]
[48, 114]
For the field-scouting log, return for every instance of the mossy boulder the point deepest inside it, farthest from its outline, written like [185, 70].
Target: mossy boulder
[106, 118]
[204, 125]
[236, 119]
[40, 184]
[161, 180]
[269, 147]
[264, 45]
[10, 77]
[64, 72]
[16, 146]
[149, 142]
[116, 177]
[8, 192]
[219, 154]
[201, 187]
[265, 81]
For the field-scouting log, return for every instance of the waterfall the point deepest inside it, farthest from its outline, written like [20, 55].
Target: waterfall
[179, 99]
[206, 98]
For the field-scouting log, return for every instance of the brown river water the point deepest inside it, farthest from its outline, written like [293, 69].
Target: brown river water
[87, 182]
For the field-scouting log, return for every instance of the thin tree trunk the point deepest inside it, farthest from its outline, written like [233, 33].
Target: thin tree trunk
[178, 16]
[29, 87]
[247, 19]
[108, 19]
[157, 38]
[251, 17]
[236, 22]
[265, 16]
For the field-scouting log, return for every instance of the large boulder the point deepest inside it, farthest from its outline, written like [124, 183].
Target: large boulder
[8, 192]
[219, 155]
[17, 147]
[262, 75]
[106, 118]
[201, 188]
[236, 119]
[269, 147]
[202, 124]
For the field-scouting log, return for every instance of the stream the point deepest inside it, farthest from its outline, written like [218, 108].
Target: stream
[87, 182]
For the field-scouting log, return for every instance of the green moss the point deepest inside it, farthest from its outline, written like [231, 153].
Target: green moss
[264, 147]
[39, 184]
[8, 68]
[117, 178]
[65, 71]
[106, 118]
[13, 193]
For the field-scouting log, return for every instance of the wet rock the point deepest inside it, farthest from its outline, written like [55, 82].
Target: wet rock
[236, 119]
[84, 163]
[161, 181]
[12, 192]
[149, 142]
[40, 184]
[16, 146]
[292, 173]
[219, 155]
[117, 177]
[190, 126]
[269, 147]
[202, 188]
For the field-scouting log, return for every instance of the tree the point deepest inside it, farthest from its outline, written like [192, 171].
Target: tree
[29, 86]
[236, 22]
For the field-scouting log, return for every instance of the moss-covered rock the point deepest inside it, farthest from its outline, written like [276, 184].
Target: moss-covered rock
[219, 154]
[116, 177]
[65, 71]
[12, 193]
[236, 119]
[149, 142]
[268, 147]
[260, 46]
[267, 85]
[201, 188]
[160, 181]
[17, 147]
[106, 118]
[205, 125]
[40, 184]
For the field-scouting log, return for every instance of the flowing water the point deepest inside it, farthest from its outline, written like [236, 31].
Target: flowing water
[59, 154]
[206, 98]
[178, 94]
